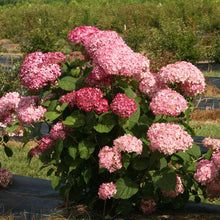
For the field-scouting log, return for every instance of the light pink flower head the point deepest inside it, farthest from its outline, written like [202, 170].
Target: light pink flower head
[211, 143]
[28, 111]
[107, 190]
[81, 34]
[179, 189]
[110, 158]
[168, 102]
[5, 177]
[206, 172]
[123, 106]
[128, 143]
[188, 76]
[148, 206]
[168, 138]
[39, 69]
[216, 159]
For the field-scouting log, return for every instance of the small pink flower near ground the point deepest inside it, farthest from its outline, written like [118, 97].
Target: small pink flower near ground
[5, 177]
[179, 189]
[211, 143]
[123, 106]
[206, 172]
[107, 190]
[128, 143]
[110, 158]
[148, 206]
[168, 102]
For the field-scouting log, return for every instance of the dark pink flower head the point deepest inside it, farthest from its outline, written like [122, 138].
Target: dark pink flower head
[45, 143]
[211, 143]
[5, 177]
[168, 102]
[56, 57]
[8, 105]
[76, 55]
[128, 143]
[206, 172]
[28, 111]
[123, 106]
[39, 69]
[81, 34]
[107, 190]
[58, 131]
[89, 98]
[179, 189]
[110, 158]
[70, 98]
[148, 206]
[168, 138]
[188, 76]
[35, 152]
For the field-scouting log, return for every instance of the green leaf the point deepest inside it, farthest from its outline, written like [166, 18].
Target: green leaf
[72, 152]
[11, 128]
[62, 107]
[184, 156]
[133, 119]
[8, 151]
[75, 120]
[208, 155]
[194, 151]
[165, 180]
[52, 106]
[55, 181]
[51, 115]
[125, 188]
[140, 163]
[58, 147]
[106, 123]
[50, 171]
[163, 163]
[87, 174]
[6, 138]
[75, 72]
[69, 83]
[86, 148]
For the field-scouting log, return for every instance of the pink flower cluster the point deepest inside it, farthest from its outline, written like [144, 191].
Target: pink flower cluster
[46, 142]
[148, 206]
[211, 143]
[123, 106]
[5, 177]
[110, 158]
[107, 190]
[168, 102]
[87, 99]
[39, 69]
[188, 76]
[206, 172]
[128, 143]
[28, 111]
[168, 138]
[179, 189]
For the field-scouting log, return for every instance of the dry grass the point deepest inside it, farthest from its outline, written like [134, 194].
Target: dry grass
[211, 91]
[206, 116]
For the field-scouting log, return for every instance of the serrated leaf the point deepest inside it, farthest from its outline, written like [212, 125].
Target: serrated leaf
[86, 148]
[72, 152]
[194, 151]
[125, 188]
[51, 115]
[69, 83]
[106, 123]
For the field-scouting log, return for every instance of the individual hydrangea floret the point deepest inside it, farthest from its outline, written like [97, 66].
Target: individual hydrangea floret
[58, 131]
[148, 206]
[168, 138]
[211, 143]
[38, 69]
[128, 143]
[123, 106]
[81, 34]
[185, 74]
[107, 190]
[206, 172]
[110, 158]
[8, 105]
[28, 111]
[5, 177]
[179, 189]
[168, 102]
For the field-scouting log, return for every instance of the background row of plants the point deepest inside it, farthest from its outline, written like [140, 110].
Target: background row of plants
[165, 31]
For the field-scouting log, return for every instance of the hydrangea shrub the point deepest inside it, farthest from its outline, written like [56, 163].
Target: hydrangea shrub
[119, 135]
